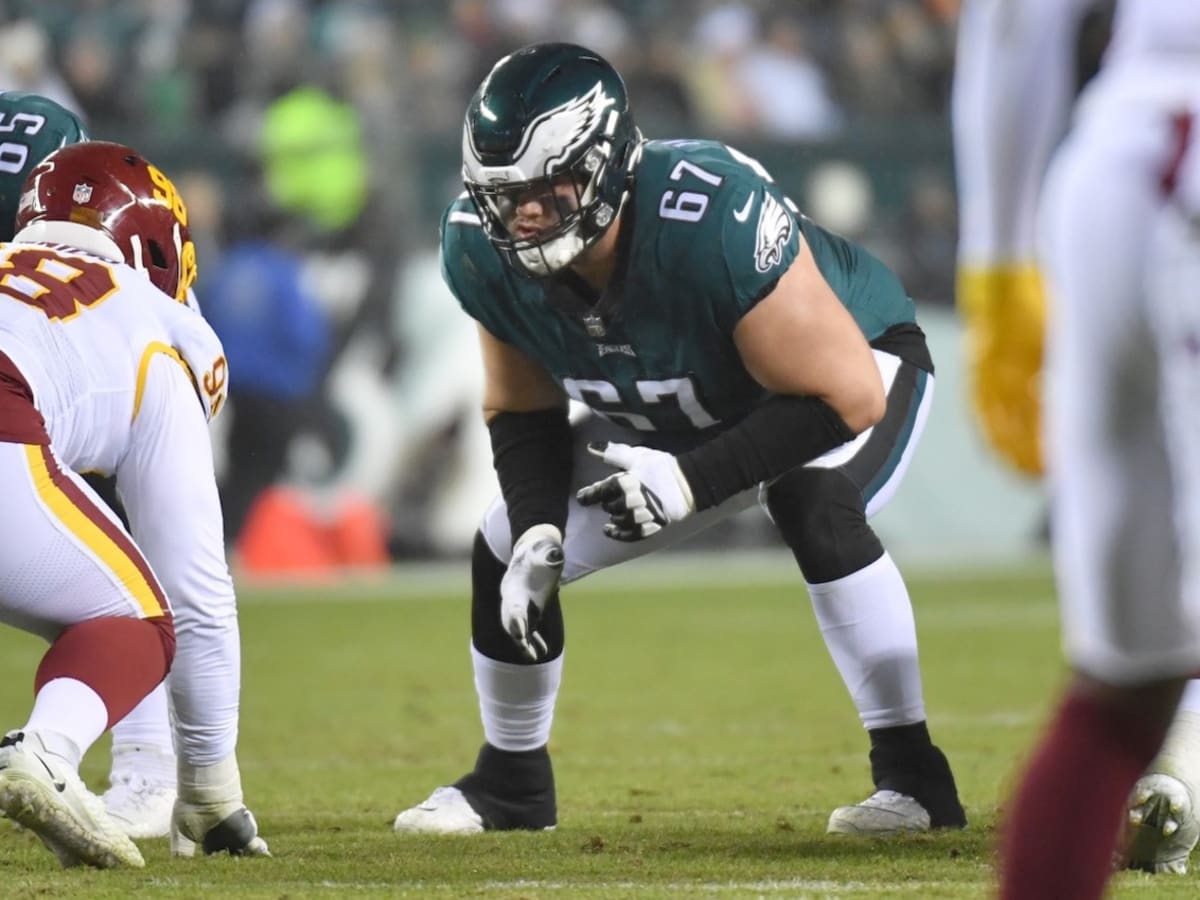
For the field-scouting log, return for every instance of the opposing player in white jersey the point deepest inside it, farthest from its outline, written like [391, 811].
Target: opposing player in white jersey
[142, 777]
[103, 368]
[1121, 253]
[1014, 82]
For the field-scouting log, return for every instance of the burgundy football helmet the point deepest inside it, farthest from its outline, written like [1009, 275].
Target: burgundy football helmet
[112, 188]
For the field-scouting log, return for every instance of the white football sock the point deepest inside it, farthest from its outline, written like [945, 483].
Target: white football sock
[1180, 753]
[516, 702]
[1190, 702]
[68, 716]
[867, 622]
[148, 724]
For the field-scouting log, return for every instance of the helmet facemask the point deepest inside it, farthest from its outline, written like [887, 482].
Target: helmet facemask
[574, 194]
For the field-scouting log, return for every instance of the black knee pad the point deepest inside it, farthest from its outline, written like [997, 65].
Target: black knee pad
[487, 631]
[822, 517]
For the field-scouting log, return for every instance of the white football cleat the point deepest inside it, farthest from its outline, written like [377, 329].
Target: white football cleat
[1163, 825]
[141, 807]
[446, 811]
[884, 812]
[43, 793]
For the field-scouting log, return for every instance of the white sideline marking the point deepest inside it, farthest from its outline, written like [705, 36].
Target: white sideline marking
[998, 719]
[789, 885]
[818, 888]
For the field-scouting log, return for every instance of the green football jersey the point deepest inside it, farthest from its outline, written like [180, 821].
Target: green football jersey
[31, 128]
[705, 235]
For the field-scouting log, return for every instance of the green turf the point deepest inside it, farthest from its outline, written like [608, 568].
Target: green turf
[702, 738]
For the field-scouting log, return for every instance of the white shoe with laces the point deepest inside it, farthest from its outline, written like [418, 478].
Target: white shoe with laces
[1163, 825]
[445, 811]
[43, 792]
[141, 807]
[884, 812]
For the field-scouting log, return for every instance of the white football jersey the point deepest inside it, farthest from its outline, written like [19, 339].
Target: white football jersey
[82, 330]
[1159, 31]
[125, 378]
[1014, 82]
[1013, 90]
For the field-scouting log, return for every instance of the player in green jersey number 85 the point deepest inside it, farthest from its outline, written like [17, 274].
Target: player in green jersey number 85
[31, 128]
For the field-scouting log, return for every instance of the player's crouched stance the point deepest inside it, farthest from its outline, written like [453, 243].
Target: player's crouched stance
[103, 368]
[730, 351]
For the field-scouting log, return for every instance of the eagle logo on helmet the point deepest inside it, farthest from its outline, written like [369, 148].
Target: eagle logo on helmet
[567, 127]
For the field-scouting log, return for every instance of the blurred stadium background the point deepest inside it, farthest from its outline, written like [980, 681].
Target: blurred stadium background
[317, 143]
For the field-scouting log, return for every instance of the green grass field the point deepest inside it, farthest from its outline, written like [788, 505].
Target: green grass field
[701, 740]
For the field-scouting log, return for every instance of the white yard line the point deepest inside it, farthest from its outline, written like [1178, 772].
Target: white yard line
[801, 887]
[817, 887]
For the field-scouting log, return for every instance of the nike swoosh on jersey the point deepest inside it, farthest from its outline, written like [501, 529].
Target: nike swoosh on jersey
[744, 213]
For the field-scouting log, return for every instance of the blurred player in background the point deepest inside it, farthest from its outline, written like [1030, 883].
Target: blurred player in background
[105, 369]
[142, 777]
[1014, 87]
[1014, 81]
[31, 128]
[1121, 248]
[730, 352]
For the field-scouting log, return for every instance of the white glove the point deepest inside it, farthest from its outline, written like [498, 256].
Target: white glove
[528, 584]
[644, 498]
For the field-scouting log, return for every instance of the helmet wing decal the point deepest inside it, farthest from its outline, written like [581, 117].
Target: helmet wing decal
[561, 131]
[567, 126]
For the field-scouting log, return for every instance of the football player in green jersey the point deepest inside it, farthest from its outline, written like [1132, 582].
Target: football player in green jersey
[31, 128]
[729, 352]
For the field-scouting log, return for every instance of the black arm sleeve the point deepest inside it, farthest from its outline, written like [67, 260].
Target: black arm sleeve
[532, 455]
[783, 432]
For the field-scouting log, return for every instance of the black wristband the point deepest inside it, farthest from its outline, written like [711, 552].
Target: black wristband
[532, 455]
[781, 433]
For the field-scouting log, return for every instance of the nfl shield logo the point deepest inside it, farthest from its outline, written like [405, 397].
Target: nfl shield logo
[595, 326]
[82, 193]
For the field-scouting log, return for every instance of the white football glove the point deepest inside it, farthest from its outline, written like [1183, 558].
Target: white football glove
[528, 584]
[641, 500]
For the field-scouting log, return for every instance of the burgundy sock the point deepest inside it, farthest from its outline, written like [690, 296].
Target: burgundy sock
[1065, 819]
[120, 658]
